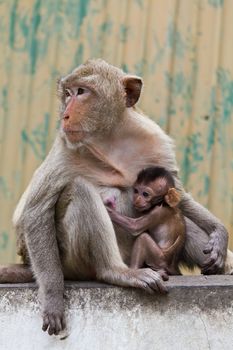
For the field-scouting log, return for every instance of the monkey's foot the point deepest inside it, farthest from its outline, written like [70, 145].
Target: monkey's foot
[228, 270]
[161, 271]
[145, 279]
[16, 273]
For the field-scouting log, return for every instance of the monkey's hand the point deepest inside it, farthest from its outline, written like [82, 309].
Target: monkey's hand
[217, 250]
[53, 316]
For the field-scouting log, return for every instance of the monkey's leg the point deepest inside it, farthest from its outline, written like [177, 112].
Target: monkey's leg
[17, 273]
[146, 251]
[94, 242]
[35, 218]
[173, 268]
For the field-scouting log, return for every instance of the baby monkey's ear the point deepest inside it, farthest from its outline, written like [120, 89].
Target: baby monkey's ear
[172, 198]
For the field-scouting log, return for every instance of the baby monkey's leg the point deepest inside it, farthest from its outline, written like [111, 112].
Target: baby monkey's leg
[147, 252]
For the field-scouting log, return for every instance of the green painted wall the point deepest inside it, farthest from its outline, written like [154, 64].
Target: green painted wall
[182, 48]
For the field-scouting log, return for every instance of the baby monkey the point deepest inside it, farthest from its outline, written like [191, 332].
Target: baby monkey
[159, 224]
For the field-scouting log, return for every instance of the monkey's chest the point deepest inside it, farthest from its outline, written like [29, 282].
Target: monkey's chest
[114, 164]
[105, 170]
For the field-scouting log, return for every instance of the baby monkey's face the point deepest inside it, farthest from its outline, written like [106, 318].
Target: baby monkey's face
[147, 195]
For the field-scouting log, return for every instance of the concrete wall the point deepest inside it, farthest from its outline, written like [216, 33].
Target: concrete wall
[196, 314]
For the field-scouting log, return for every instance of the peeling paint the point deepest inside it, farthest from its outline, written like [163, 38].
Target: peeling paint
[4, 188]
[216, 3]
[4, 240]
[185, 63]
[37, 139]
[192, 157]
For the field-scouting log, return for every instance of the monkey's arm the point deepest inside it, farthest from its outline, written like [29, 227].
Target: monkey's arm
[35, 216]
[136, 226]
[217, 245]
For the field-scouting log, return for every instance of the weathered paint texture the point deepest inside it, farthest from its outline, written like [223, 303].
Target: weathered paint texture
[197, 314]
[183, 50]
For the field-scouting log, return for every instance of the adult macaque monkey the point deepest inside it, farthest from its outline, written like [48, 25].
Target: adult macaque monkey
[159, 224]
[63, 227]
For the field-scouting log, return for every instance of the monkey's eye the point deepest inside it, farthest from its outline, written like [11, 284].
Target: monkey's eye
[80, 91]
[67, 93]
[145, 194]
[135, 190]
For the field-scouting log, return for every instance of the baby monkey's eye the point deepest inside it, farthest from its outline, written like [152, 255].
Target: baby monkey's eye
[80, 91]
[145, 194]
[135, 190]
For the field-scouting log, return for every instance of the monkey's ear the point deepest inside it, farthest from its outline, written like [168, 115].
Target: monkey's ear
[172, 198]
[59, 80]
[133, 86]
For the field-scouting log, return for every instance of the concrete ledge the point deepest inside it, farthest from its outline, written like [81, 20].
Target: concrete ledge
[196, 314]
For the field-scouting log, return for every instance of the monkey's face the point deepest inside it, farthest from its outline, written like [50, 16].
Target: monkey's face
[77, 102]
[148, 195]
[142, 198]
[93, 100]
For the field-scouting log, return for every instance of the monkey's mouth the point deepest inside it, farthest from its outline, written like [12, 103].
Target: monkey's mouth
[71, 131]
[74, 135]
[142, 208]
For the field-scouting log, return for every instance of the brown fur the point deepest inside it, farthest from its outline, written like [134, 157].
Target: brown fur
[159, 225]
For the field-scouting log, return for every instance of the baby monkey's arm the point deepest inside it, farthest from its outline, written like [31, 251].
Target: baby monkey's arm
[136, 226]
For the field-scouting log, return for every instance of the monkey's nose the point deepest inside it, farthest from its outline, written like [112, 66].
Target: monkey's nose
[66, 116]
[137, 201]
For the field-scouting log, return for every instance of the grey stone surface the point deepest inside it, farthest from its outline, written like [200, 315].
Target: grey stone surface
[196, 314]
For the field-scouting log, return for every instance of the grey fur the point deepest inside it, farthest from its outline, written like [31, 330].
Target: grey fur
[62, 222]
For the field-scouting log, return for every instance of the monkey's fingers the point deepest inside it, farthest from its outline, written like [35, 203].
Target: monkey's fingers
[208, 266]
[217, 244]
[151, 281]
[162, 288]
[207, 250]
[54, 323]
[209, 247]
[214, 264]
[164, 275]
[147, 288]
[52, 326]
[45, 323]
[110, 210]
[158, 286]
